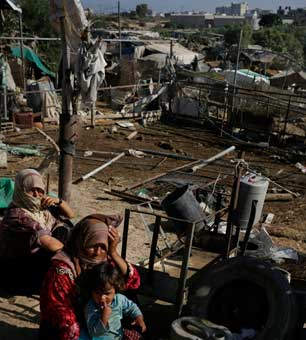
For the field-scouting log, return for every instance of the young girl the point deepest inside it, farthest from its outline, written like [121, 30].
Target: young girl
[106, 307]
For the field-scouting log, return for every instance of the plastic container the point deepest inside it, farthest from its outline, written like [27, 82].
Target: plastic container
[182, 204]
[252, 187]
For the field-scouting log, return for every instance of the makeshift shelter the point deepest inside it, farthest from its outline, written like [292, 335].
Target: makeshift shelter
[289, 78]
[182, 54]
[32, 57]
[245, 77]
[9, 5]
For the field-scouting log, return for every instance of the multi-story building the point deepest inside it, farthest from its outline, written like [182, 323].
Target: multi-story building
[205, 20]
[239, 9]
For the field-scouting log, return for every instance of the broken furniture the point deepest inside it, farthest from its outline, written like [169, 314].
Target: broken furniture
[173, 288]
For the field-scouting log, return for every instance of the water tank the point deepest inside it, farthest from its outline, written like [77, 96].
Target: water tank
[252, 187]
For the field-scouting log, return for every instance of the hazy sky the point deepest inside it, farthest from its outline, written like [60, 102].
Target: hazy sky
[185, 5]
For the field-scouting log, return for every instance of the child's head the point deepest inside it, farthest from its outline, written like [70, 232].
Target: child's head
[104, 281]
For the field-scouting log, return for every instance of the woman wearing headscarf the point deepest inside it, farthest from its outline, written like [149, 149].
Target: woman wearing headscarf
[93, 241]
[27, 232]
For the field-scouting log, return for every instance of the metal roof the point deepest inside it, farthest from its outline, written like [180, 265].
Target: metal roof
[8, 4]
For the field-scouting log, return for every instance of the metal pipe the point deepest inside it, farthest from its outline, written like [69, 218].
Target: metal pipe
[29, 38]
[181, 290]
[92, 173]
[154, 246]
[125, 233]
[212, 159]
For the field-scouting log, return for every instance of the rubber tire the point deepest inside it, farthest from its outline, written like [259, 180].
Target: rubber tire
[282, 312]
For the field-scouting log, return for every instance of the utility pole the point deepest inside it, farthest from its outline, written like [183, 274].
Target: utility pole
[237, 61]
[24, 83]
[236, 71]
[119, 29]
[67, 124]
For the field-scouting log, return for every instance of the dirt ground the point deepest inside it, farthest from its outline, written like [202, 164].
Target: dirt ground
[19, 315]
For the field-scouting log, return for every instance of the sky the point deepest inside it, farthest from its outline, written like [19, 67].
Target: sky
[187, 5]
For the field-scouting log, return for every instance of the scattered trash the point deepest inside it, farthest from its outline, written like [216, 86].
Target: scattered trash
[269, 218]
[17, 150]
[126, 125]
[132, 135]
[113, 129]
[279, 254]
[135, 153]
[144, 193]
[301, 167]
[261, 245]
[165, 145]
[88, 153]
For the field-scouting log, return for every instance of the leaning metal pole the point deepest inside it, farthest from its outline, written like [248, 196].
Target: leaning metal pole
[67, 148]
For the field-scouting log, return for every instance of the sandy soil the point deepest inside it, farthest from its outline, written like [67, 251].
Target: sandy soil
[19, 315]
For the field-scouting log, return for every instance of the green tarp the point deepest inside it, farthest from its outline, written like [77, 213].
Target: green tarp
[31, 56]
[6, 192]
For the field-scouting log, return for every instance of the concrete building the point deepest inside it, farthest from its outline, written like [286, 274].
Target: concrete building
[227, 20]
[205, 20]
[188, 20]
[239, 9]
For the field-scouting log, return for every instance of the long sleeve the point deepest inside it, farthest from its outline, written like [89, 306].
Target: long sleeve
[95, 326]
[133, 278]
[129, 308]
[58, 302]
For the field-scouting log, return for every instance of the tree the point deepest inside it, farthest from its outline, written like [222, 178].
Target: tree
[142, 10]
[36, 21]
[279, 41]
[36, 18]
[270, 20]
[232, 35]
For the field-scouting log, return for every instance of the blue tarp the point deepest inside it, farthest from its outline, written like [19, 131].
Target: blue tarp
[6, 192]
[31, 56]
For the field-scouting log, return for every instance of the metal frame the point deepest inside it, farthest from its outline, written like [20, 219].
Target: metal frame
[182, 280]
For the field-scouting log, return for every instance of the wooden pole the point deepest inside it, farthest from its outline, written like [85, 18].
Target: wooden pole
[24, 83]
[119, 28]
[67, 121]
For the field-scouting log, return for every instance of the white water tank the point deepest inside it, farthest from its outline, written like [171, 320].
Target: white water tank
[252, 187]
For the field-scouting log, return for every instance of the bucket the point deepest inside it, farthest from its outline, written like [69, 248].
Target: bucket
[182, 204]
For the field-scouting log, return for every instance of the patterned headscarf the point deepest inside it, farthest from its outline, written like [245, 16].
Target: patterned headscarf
[91, 230]
[26, 180]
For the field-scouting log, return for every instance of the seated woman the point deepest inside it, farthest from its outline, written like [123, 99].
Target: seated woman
[93, 241]
[26, 232]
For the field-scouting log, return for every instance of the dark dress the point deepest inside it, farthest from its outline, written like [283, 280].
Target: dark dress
[23, 261]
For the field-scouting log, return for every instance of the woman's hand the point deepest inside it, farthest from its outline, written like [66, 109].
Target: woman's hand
[114, 239]
[65, 210]
[47, 201]
[140, 323]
